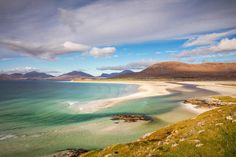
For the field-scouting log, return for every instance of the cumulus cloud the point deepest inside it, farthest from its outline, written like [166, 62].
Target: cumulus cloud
[225, 46]
[207, 39]
[70, 46]
[50, 51]
[131, 66]
[100, 52]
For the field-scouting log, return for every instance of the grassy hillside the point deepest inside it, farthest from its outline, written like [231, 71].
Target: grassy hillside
[212, 133]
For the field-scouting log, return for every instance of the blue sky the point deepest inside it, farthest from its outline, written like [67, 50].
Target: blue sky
[95, 36]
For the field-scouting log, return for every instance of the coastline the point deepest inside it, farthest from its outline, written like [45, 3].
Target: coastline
[154, 88]
[216, 86]
[145, 89]
[194, 108]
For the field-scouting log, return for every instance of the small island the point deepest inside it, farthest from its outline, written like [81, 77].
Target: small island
[131, 117]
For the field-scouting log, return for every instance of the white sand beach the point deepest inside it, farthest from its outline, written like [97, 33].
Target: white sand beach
[155, 88]
[216, 86]
[145, 89]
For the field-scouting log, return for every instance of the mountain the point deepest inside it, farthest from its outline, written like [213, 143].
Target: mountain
[17, 75]
[74, 75]
[5, 77]
[34, 75]
[184, 71]
[105, 75]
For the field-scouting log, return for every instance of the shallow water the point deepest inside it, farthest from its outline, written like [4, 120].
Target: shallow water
[36, 118]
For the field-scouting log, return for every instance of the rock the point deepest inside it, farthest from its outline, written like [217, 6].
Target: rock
[182, 139]
[174, 145]
[71, 153]
[108, 155]
[159, 143]
[168, 137]
[229, 118]
[201, 131]
[131, 117]
[219, 124]
[175, 132]
[147, 134]
[201, 123]
[206, 102]
[199, 145]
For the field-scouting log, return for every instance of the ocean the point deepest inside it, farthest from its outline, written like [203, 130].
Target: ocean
[37, 118]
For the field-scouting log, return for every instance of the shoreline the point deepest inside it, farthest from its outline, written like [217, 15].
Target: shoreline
[153, 88]
[195, 108]
[145, 89]
[216, 86]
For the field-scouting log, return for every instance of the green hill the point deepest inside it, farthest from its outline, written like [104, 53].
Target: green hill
[212, 133]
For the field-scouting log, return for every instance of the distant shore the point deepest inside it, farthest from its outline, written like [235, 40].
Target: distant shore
[155, 88]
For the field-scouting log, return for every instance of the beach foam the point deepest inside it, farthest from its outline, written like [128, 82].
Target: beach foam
[5, 137]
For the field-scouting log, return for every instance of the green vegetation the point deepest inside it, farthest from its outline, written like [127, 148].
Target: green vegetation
[229, 84]
[225, 98]
[211, 134]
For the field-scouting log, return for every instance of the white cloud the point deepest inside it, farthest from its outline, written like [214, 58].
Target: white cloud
[225, 46]
[70, 46]
[140, 65]
[100, 52]
[22, 70]
[105, 22]
[141, 21]
[46, 51]
[50, 51]
[207, 38]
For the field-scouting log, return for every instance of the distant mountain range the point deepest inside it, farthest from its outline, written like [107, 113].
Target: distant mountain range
[74, 75]
[34, 75]
[105, 75]
[27, 76]
[164, 70]
[184, 71]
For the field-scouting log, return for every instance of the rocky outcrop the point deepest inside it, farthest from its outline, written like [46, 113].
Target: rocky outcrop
[131, 118]
[71, 153]
[207, 102]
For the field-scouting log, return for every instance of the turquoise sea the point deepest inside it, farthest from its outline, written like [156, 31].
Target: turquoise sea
[36, 117]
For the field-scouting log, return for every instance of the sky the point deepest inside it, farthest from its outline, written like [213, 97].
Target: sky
[103, 36]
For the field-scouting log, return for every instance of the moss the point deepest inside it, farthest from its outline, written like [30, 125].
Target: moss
[225, 98]
[197, 137]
